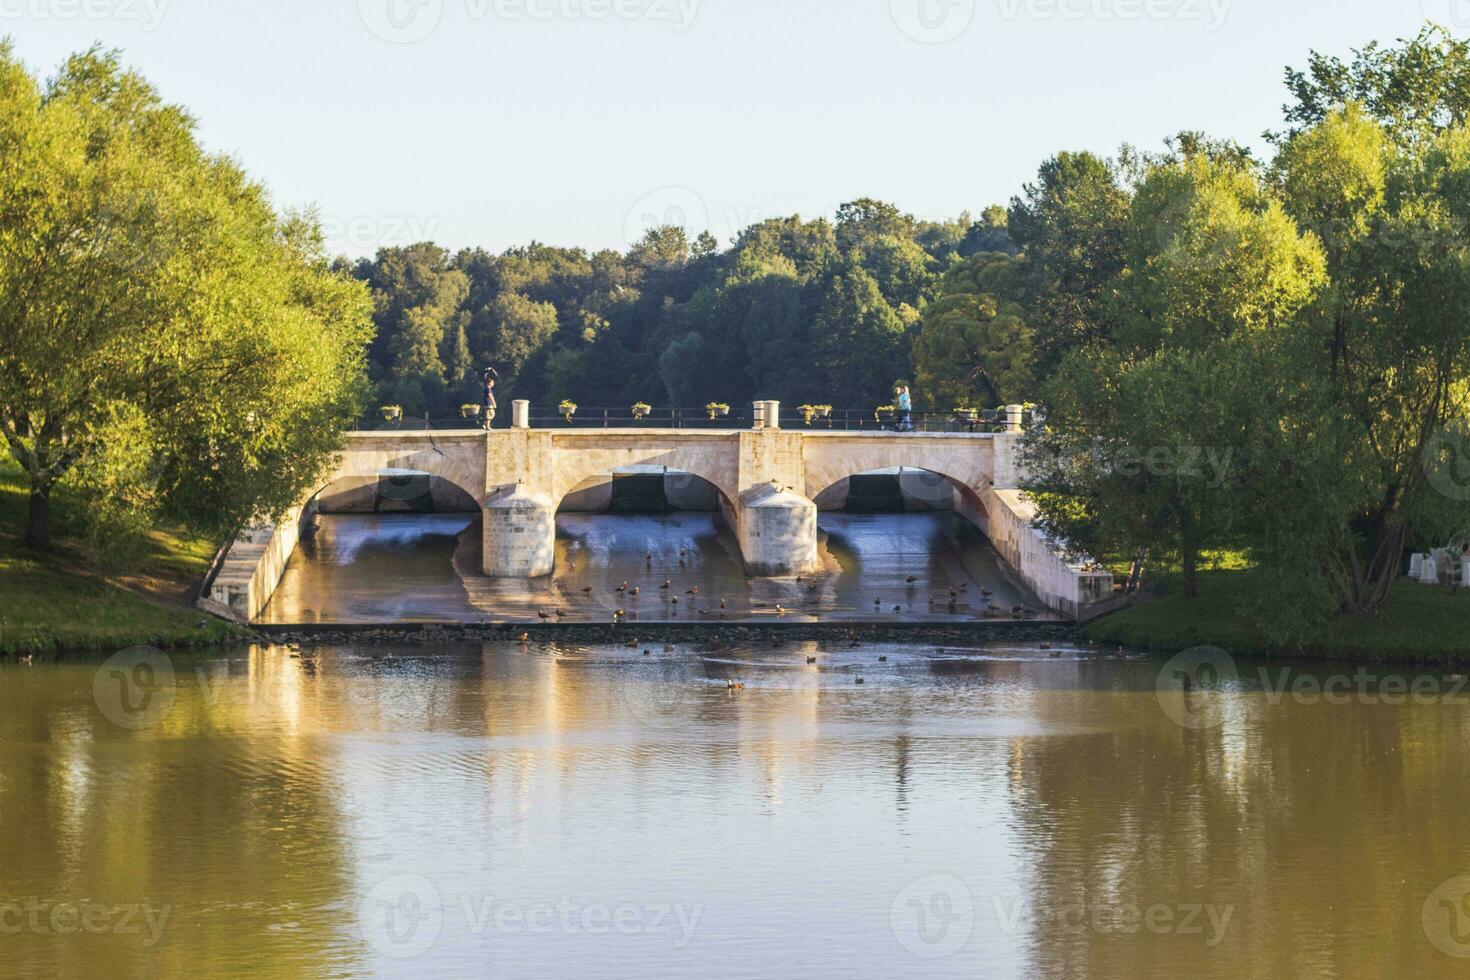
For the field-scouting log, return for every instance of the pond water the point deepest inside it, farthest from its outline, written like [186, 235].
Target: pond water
[549, 810]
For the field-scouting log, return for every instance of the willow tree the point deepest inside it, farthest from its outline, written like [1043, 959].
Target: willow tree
[167, 341]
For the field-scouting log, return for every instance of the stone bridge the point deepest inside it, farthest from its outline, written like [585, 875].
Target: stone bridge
[767, 479]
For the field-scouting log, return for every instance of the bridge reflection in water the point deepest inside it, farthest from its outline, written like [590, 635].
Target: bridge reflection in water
[425, 567]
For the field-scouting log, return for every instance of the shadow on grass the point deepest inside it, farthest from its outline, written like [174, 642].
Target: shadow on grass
[1417, 623]
[55, 601]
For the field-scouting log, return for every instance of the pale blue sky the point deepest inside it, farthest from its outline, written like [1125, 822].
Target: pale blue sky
[513, 120]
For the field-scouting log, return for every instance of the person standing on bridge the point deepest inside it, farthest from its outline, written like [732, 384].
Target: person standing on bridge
[905, 409]
[489, 396]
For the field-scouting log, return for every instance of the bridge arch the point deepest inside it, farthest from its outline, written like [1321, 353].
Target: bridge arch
[967, 463]
[576, 460]
[971, 502]
[457, 460]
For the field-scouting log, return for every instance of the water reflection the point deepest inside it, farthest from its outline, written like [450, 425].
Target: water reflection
[1008, 806]
[425, 567]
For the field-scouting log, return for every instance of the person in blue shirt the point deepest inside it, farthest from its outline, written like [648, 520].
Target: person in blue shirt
[905, 409]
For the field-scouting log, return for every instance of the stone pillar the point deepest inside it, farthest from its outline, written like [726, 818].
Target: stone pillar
[520, 533]
[1015, 416]
[1005, 471]
[758, 415]
[773, 414]
[778, 532]
[520, 414]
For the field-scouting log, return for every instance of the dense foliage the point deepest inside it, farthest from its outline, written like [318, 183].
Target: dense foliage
[167, 342]
[1280, 365]
[804, 311]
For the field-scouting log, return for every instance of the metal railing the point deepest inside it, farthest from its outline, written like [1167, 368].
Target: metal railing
[661, 417]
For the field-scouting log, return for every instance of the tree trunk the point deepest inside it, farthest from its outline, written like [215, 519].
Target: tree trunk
[1191, 573]
[1135, 574]
[1385, 548]
[38, 525]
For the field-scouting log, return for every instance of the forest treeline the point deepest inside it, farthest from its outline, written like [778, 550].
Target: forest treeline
[806, 311]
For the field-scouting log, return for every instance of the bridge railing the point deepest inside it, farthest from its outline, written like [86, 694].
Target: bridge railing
[666, 417]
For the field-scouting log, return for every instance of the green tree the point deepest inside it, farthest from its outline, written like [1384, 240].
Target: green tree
[1391, 339]
[1138, 452]
[864, 221]
[513, 330]
[165, 339]
[1071, 224]
[989, 234]
[858, 348]
[974, 346]
[419, 295]
[1414, 90]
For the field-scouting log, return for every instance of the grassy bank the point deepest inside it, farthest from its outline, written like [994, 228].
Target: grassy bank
[57, 601]
[1418, 623]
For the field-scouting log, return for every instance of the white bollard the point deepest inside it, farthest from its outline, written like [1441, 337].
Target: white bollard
[1015, 416]
[520, 414]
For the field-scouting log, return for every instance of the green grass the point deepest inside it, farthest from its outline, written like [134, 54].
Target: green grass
[1417, 623]
[55, 601]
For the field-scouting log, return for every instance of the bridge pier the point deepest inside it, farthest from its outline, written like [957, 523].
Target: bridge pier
[778, 532]
[519, 533]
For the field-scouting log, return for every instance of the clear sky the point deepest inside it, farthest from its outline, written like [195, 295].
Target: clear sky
[578, 122]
